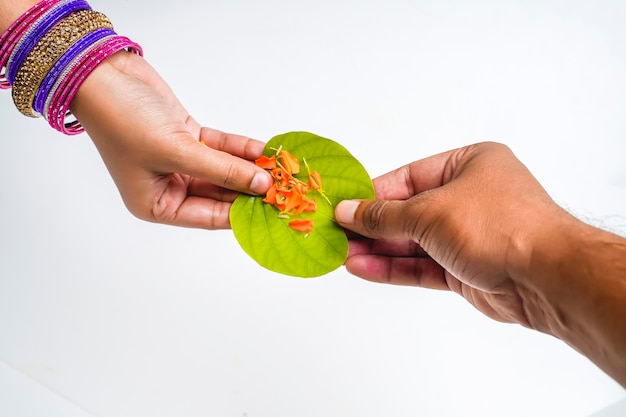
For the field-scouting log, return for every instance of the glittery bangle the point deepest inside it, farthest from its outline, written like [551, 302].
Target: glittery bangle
[56, 70]
[48, 50]
[34, 34]
[15, 32]
[59, 105]
[47, 85]
[67, 71]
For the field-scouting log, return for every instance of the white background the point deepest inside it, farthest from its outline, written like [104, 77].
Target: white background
[104, 315]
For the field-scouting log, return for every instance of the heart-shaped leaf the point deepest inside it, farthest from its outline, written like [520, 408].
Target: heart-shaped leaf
[265, 234]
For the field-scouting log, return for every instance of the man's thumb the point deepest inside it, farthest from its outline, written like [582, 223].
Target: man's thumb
[374, 218]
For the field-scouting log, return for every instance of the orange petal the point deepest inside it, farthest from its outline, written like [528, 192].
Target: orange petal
[284, 183]
[270, 196]
[302, 225]
[293, 202]
[302, 188]
[315, 180]
[311, 206]
[266, 162]
[281, 199]
[290, 162]
[304, 205]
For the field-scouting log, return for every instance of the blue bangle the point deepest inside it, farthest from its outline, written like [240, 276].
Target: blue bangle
[68, 56]
[38, 30]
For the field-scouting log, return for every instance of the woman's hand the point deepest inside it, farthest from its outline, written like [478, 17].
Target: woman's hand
[167, 167]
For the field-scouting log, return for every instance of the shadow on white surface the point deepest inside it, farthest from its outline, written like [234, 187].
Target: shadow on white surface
[616, 410]
[22, 396]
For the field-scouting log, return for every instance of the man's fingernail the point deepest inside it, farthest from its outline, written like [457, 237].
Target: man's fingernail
[260, 183]
[344, 212]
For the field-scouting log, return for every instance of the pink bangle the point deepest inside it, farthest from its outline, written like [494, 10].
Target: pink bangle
[64, 94]
[15, 32]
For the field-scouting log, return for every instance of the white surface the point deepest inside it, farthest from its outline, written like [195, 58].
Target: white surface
[614, 410]
[118, 317]
[21, 396]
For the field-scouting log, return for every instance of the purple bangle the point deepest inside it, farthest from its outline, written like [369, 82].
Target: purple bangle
[15, 32]
[68, 56]
[38, 30]
[116, 44]
[67, 73]
[60, 104]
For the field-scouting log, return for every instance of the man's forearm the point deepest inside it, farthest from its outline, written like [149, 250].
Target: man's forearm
[577, 278]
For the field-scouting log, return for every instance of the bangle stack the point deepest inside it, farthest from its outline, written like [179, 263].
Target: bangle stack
[49, 51]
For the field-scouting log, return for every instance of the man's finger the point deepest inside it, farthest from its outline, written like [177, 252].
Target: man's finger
[416, 177]
[419, 272]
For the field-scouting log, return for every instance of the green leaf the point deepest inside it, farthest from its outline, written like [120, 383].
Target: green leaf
[269, 240]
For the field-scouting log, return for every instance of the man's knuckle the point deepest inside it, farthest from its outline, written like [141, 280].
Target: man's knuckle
[374, 217]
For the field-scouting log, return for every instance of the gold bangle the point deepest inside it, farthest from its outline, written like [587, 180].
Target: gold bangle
[48, 51]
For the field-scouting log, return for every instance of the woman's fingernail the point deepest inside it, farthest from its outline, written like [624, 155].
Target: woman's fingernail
[344, 212]
[260, 183]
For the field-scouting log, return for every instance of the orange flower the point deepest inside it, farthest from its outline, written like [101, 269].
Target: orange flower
[289, 194]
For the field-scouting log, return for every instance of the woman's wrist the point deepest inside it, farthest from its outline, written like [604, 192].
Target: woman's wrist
[49, 51]
[118, 69]
[10, 11]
